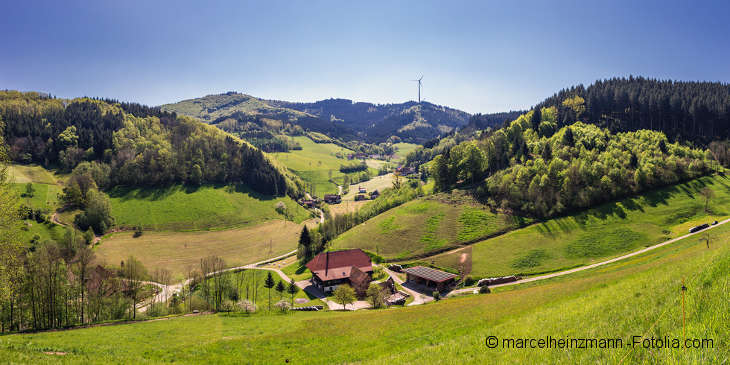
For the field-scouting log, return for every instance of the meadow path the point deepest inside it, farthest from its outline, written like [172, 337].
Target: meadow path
[587, 267]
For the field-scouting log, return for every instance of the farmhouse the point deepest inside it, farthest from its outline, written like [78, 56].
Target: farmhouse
[307, 203]
[430, 278]
[331, 269]
[332, 199]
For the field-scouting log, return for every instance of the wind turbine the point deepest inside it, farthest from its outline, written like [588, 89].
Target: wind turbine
[419, 88]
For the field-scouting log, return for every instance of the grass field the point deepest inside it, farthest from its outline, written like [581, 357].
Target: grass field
[403, 149]
[45, 196]
[639, 296]
[21, 174]
[317, 164]
[207, 207]
[422, 226]
[176, 250]
[45, 231]
[596, 234]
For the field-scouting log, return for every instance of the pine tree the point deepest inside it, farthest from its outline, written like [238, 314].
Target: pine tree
[568, 138]
[268, 284]
[304, 251]
[292, 289]
[536, 119]
[280, 288]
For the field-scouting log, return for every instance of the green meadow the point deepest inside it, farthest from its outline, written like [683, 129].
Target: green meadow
[597, 234]
[207, 207]
[317, 164]
[424, 226]
[639, 296]
[403, 149]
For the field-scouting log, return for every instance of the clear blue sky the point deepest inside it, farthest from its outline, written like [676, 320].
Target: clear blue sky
[479, 56]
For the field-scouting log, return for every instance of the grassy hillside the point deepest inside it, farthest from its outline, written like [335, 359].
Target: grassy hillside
[317, 163]
[403, 149]
[207, 207]
[175, 251]
[608, 230]
[639, 296]
[21, 174]
[424, 225]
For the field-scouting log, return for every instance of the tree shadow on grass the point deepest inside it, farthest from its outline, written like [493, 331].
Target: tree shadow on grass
[125, 193]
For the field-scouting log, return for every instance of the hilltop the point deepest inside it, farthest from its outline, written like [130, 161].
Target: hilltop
[341, 118]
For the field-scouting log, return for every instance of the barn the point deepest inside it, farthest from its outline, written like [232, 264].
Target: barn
[430, 278]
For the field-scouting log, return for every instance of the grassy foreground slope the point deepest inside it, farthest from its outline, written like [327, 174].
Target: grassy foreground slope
[207, 207]
[423, 226]
[599, 233]
[639, 296]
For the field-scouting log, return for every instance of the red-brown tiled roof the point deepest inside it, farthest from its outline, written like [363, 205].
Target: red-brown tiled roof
[338, 264]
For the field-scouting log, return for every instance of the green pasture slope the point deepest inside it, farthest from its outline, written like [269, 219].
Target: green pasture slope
[315, 162]
[424, 226]
[639, 296]
[207, 207]
[403, 149]
[45, 198]
[597, 234]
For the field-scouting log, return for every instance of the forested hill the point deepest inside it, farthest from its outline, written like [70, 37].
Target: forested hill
[341, 118]
[133, 144]
[534, 168]
[690, 111]
[410, 121]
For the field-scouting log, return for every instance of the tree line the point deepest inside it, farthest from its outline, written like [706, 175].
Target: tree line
[684, 110]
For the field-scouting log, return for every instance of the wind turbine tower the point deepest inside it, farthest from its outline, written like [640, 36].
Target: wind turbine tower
[419, 88]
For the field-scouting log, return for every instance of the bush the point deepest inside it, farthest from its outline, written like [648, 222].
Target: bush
[137, 232]
[228, 306]
[484, 290]
[469, 281]
[246, 306]
[436, 295]
[283, 305]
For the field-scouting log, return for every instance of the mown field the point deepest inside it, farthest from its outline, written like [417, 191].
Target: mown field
[317, 164]
[639, 296]
[45, 198]
[175, 251]
[207, 207]
[403, 149]
[424, 226]
[600, 233]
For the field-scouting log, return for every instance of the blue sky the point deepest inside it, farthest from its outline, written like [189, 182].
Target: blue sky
[479, 56]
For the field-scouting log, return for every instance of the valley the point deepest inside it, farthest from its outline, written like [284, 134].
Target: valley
[199, 235]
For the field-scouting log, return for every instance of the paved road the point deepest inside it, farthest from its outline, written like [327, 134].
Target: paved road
[577, 269]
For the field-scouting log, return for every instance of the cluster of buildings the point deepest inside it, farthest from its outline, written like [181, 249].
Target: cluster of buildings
[354, 267]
